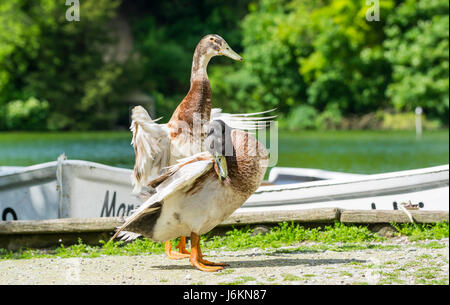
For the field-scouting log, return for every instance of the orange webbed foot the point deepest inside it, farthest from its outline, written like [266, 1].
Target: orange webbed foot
[171, 254]
[196, 257]
[206, 262]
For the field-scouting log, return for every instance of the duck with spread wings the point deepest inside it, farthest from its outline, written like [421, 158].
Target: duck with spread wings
[200, 191]
[158, 146]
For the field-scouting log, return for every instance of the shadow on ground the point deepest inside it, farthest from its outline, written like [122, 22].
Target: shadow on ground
[279, 262]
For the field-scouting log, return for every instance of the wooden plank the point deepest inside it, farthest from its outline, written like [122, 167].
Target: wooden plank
[63, 225]
[101, 224]
[322, 215]
[388, 216]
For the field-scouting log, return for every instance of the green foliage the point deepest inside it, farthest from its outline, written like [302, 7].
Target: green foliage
[325, 54]
[298, 55]
[306, 117]
[165, 39]
[27, 115]
[43, 55]
[330, 118]
[417, 46]
[406, 121]
[302, 117]
[268, 77]
[319, 53]
[346, 66]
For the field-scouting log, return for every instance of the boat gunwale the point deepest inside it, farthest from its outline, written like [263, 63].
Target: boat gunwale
[364, 178]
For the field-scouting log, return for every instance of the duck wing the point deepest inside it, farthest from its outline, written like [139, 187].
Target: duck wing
[244, 121]
[178, 176]
[151, 144]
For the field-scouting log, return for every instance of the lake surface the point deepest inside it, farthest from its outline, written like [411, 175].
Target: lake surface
[364, 152]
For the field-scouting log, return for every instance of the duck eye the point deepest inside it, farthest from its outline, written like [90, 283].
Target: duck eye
[211, 38]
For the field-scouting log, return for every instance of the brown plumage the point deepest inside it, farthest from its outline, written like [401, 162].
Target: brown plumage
[191, 199]
[196, 102]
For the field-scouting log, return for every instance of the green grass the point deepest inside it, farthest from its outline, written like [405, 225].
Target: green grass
[337, 237]
[412, 264]
[427, 272]
[423, 231]
[348, 151]
[423, 281]
[290, 277]
[137, 247]
[432, 245]
[390, 278]
[336, 247]
[239, 281]
[289, 233]
[224, 272]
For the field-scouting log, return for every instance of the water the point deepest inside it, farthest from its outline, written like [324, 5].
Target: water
[23, 149]
[364, 152]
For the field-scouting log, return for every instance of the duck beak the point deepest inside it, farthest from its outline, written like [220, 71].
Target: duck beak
[220, 166]
[228, 52]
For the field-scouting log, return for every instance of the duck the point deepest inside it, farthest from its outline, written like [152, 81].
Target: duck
[158, 146]
[199, 192]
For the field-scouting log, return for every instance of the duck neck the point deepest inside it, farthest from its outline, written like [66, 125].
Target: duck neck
[200, 95]
[199, 64]
[198, 100]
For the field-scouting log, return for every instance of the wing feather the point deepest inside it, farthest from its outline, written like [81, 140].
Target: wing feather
[151, 144]
[244, 121]
[178, 176]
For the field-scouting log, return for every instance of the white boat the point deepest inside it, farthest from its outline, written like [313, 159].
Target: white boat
[74, 188]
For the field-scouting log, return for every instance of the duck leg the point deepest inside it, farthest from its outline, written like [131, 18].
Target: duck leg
[206, 262]
[182, 246]
[196, 256]
[171, 254]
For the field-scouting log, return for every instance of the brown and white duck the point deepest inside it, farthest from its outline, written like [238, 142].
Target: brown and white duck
[158, 146]
[200, 191]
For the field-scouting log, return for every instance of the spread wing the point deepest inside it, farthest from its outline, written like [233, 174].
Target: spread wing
[151, 141]
[244, 121]
[178, 176]
[151, 144]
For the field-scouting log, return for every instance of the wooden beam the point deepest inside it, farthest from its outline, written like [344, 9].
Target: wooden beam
[101, 224]
[323, 215]
[63, 225]
[388, 216]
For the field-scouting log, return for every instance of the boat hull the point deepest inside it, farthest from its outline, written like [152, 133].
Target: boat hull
[81, 189]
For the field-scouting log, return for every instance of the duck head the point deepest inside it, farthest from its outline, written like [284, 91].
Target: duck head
[219, 144]
[208, 47]
[214, 45]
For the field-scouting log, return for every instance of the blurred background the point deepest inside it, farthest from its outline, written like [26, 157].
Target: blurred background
[345, 88]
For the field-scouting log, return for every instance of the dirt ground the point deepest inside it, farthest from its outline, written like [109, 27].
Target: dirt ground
[405, 263]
